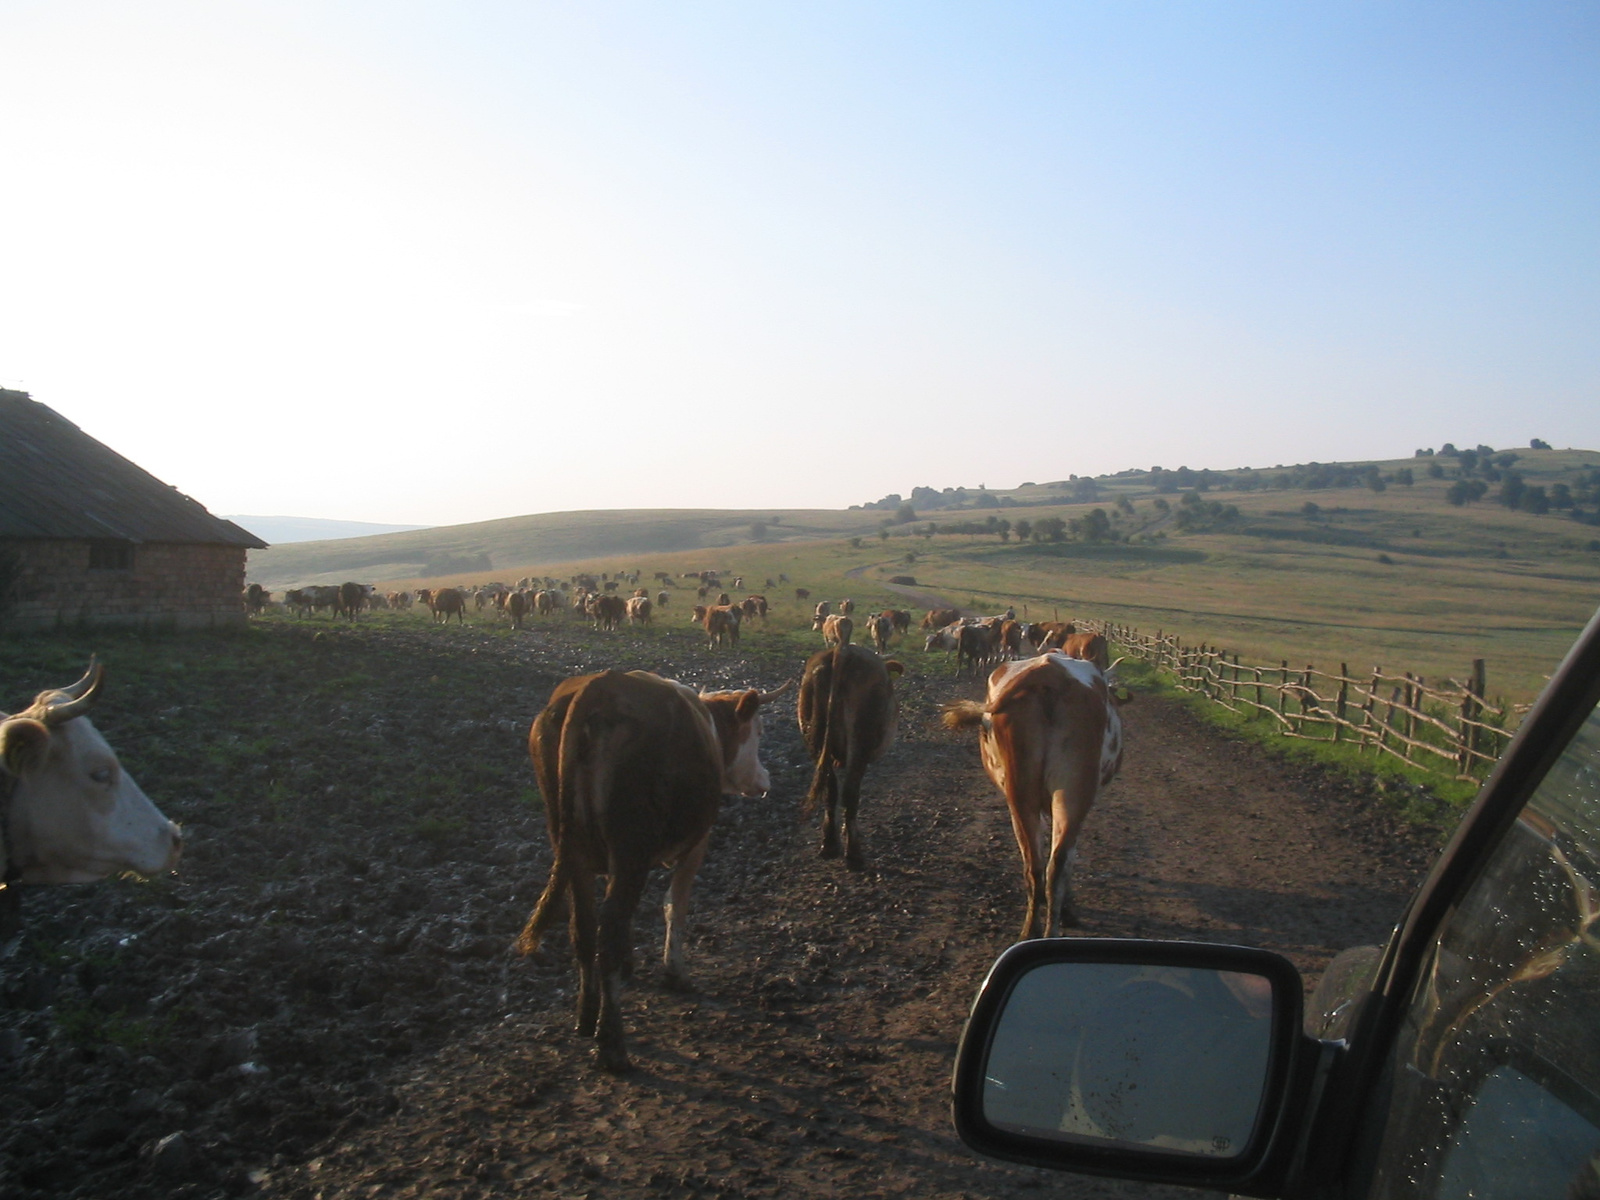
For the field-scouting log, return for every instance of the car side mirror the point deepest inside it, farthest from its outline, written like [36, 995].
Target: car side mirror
[1165, 1061]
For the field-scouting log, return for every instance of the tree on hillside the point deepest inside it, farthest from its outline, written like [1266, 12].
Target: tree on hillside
[1125, 505]
[905, 514]
[1538, 444]
[1024, 529]
[1096, 527]
[1404, 477]
[758, 531]
[1049, 529]
[1435, 471]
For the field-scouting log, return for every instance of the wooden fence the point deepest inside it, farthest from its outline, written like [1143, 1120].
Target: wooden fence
[1447, 727]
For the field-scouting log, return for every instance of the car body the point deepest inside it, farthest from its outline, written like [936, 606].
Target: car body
[1460, 1060]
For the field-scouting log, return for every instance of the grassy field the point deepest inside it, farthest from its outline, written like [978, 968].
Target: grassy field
[1401, 579]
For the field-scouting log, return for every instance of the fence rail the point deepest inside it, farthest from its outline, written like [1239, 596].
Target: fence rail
[1447, 726]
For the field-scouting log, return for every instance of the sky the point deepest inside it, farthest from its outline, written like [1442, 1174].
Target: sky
[430, 263]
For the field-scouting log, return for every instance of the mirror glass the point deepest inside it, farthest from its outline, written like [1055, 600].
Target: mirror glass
[1169, 1058]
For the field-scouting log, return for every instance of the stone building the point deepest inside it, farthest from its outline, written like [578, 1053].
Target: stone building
[89, 538]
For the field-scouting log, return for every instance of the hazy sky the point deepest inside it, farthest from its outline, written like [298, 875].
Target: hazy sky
[440, 262]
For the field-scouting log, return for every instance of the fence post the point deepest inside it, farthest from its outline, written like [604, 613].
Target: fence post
[1283, 684]
[1257, 672]
[1470, 707]
[1369, 724]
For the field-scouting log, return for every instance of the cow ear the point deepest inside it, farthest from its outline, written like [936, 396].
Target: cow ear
[894, 666]
[23, 744]
[748, 705]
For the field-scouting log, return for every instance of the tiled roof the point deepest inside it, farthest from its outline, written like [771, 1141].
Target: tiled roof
[58, 482]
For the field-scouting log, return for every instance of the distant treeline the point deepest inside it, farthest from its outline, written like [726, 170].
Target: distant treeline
[1472, 471]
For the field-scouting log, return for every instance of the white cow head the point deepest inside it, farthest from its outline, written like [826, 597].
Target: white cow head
[73, 815]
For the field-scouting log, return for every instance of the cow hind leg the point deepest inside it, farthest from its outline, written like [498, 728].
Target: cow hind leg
[830, 815]
[580, 895]
[615, 951]
[677, 914]
[850, 800]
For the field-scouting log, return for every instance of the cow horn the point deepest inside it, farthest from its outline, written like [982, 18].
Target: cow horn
[1114, 663]
[766, 696]
[80, 696]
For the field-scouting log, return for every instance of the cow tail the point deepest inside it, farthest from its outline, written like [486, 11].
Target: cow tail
[552, 901]
[963, 714]
[549, 908]
[819, 776]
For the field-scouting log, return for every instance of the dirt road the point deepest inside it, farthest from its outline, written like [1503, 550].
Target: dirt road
[813, 1056]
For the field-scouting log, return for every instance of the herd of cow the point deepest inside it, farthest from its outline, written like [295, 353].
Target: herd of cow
[633, 768]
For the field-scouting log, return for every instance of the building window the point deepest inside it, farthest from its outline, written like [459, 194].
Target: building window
[110, 556]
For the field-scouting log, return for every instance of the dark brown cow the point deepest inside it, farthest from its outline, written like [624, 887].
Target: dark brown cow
[900, 618]
[632, 768]
[939, 618]
[848, 714]
[448, 602]
[976, 646]
[1051, 738]
[256, 598]
[802, 593]
[608, 610]
[350, 600]
[1057, 632]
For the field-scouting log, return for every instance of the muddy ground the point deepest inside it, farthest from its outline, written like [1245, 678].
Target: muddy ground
[322, 1003]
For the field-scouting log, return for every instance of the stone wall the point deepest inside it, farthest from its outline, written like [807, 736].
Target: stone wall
[168, 586]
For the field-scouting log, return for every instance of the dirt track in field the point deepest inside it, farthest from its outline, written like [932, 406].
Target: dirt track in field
[384, 1044]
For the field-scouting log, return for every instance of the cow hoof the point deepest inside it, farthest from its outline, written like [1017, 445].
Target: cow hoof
[676, 981]
[613, 1061]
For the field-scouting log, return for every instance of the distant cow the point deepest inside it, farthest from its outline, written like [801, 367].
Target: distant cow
[1057, 632]
[938, 618]
[899, 618]
[820, 614]
[1051, 738]
[847, 606]
[802, 593]
[1091, 647]
[848, 714]
[517, 606]
[880, 628]
[352, 598]
[255, 599]
[639, 610]
[608, 610]
[72, 814]
[722, 625]
[837, 630]
[976, 646]
[446, 603]
[662, 598]
[633, 768]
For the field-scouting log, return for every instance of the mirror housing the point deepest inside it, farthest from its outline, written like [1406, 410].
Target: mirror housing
[1168, 1062]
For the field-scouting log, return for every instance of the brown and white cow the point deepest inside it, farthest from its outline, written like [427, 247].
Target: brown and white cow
[1051, 738]
[73, 814]
[847, 606]
[837, 630]
[633, 768]
[940, 618]
[900, 618]
[722, 625]
[880, 628]
[820, 614]
[848, 713]
[639, 610]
